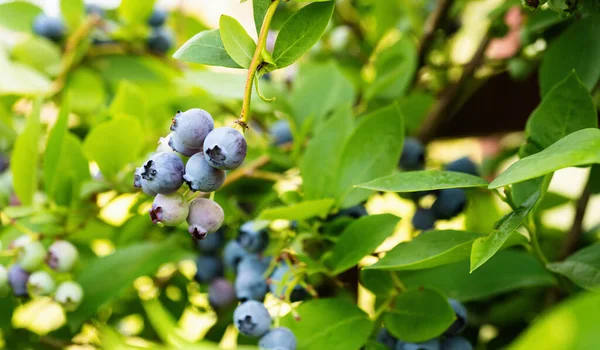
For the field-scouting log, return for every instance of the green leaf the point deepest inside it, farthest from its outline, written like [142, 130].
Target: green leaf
[135, 11]
[579, 148]
[327, 324]
[54, 144]
[482, 211]
[573, 51]
[583, 267]
[237, 42]
[299, 211]
[301, 31]
[164, 324]
[73, 12]
[260, 8]
[373, 150]
[206, 48]
[20, 79]
[106, 142]
[423, 180]
[359, 239]
[415, 107]
[18, 15]
[419, 315]
[571, 325]
[129, 100]
[25, 155]
[39, 53]
[73, 168]
[117, 272]
[506, 271]
[321, 158]
[568, 107]
[87, 90]
[485, 247]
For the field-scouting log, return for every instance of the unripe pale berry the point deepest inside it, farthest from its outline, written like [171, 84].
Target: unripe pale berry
[252, 319]
[20, 242]
[200, 176]
[140, 182]
[170, 210]
[206, 216]
[17, 278]
[175, 144]
[192, 126]
[41, 283]
[69, 294]
[31, 256]
[280, 338]
[62, 255]
[225, 148]
[221, 293]
[163, 172]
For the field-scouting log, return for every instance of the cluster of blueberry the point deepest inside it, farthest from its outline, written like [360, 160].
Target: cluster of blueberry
[211, 152]
[451, 340]
[159, 41]
[28, 277]
[449, 202]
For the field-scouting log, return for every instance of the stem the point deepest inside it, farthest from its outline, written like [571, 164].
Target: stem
[574, 234]
[24, 229]
[255, 63]
[536, 244]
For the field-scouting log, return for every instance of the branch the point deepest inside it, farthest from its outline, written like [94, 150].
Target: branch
[434, 21]
[246, 169]
[574, 235]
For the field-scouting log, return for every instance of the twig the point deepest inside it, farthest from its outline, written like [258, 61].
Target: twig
[433, 23]
[574, 235]
[246, 169]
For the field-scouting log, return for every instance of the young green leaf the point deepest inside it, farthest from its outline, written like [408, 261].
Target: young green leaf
[165, 324]
[583, 267]
[206, 48]
[301, 31]
[39, 53]
[259, 10]
[25, 155]
[134, 11]
[73, 12]
[299, 211]
[359, 239]
[237, 42]
[54, 144]
[423, 180]
[88, 93]
[419, 315]
[73, 169]
[579, 148]
[18, 15]
[129, 100]
[485, 247]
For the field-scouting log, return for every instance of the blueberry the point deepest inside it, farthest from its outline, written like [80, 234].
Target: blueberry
[206, 216]
[140, 182]
[253, 236]
[413, 154]
[208, 268]
[200, 176]
[221, 293]
[250, 286]
[160, 41]
[449, 203]
[4, 287]
[192, 127]
[463, 165]
[62, 255]
[211, 244]
[233, 254]
[93, 9]
[384, 337]
[461, 317]
[225, 148]
[17, 278]
[252, 319]
[49, 27]
[424, 219]
[281, 133]
[41, 283]
[69, 294]
[281, 278]
[4, 162]
[20, 242]
[252, 264]
[169, 210]
[355, 212]
[31, 256]
[175, 144]
[163, 173]
[456, 343]
[433, 344]
[157, 18]
[279, 338]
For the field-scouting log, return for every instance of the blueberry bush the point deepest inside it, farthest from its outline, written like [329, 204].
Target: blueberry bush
[350, 174]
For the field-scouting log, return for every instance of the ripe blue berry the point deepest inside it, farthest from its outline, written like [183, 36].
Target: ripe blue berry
[413, 154]
[157, 18]
[233, 254]
[41, 283]
[160, 41]
[92, 9]
[31, 256]
[17, 278]
[355, 212]
[62, 255]
[175, 144]
[384, 337]
[225, 148]
[252, 264]
[169, 210]
[200, 176]
[279, 338]
[460, 323]
[250, 286]
[211, 244]
[449, 203]
[433, 344]
[281, 133]
[463, 165]
[4, 287]
[69, 294]
[206, 216]
[281, 278]
[208, 268]
[252, 319]
[163, 173]
[49, 27]
[221, 293]
[424, 219]
[190, 128]
[253, 236]
[456, 343]
[140, 182]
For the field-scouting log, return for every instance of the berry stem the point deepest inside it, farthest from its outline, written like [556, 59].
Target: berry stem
[255, 63]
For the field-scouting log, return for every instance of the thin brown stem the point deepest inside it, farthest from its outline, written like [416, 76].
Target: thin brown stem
[246, 169]
[433, 23]
[574, 235]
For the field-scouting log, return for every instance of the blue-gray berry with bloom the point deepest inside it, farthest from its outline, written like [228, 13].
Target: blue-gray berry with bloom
[69, 294]
[253, 264]
[225, 148]
[463, 165]
[140, 182]
[17, 278]
[449, 203]
[433, 344]
[281, 133]
[233, 254]
[163, 173]
[413, 155]
[200, 176]
[221, 293]
[160, 41]
[41, 283]
[254, 236]
[191, 127]
[206, 216]
[460, 323]
[176, 145]
[31, 256]
[169, 210]
[211, 244]
[280, 338]
[92, 9]
[62, 256]
[157, 18]
[386, 338]
[52, 28]
[252, 319]
[456, 343]
[424, 219]
[281, 279]
[250, 286]
[208, 268]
